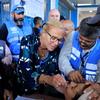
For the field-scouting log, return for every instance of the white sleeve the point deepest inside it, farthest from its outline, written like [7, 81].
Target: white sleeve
[8, 57]
[64, 64]
[98, 72]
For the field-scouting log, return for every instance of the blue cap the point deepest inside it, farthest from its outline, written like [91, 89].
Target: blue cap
[17, 9]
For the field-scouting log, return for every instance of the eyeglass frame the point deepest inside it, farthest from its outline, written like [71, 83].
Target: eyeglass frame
[53, 38]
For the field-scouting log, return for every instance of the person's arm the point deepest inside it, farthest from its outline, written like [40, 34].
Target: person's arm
[27, 69]
[3, 32]
[8, 57]
[64, 64]
[98, 72]
[64, 61]
[56, 81]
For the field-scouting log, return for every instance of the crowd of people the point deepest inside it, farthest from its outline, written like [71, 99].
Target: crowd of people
[51, 58]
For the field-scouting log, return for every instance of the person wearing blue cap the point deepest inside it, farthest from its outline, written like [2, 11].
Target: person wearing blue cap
[12, 32]
[14, 29]
[18, 10]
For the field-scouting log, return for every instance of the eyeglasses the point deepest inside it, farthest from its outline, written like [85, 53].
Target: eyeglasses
[54, 39]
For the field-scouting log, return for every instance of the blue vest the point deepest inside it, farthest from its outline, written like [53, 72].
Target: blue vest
[15, 35]
[90, 67]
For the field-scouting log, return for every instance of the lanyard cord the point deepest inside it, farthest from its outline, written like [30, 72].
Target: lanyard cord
[83, 62]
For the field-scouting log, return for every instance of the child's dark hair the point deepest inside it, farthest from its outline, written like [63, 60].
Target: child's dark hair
[37, 19]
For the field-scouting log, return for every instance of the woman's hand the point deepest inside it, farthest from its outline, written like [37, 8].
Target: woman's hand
[59, 82]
